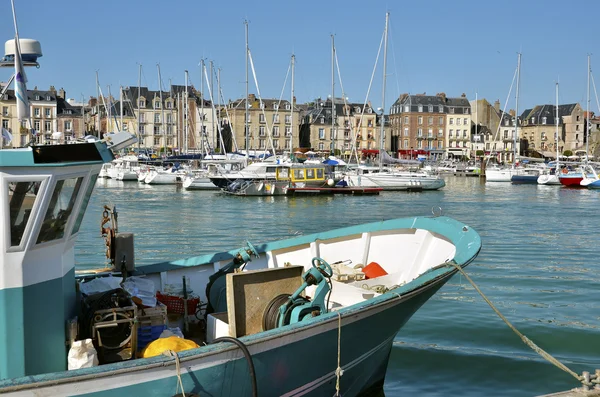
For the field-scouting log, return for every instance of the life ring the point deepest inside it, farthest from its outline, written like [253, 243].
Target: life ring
[565, 171]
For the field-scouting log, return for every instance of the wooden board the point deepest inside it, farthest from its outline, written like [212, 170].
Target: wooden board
[249, 293]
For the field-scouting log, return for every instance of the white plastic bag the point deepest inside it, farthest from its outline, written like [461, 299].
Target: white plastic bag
[142, 288]
[100, 284]
[171, 332]
[82, 354]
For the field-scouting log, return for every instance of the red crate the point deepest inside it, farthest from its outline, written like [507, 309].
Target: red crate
[175, 303]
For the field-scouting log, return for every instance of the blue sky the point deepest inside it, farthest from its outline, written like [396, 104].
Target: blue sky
[434, 46]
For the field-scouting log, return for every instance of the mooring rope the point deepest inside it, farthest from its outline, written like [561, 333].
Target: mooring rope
[172, 353]
[339, 371]
[526, 340]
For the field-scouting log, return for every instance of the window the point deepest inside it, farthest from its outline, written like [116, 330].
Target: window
[170, 141]
[405, 119]
[261, 130]
[276, 118]
[261, 143]
[441, 121]
[124, 126]
[440, 132]
[451, 121]
[156, 130]
[5, 110]
[420, 132]
[450, 133]
[288, 143]
[261, 118]
[141, 103]
[142, 129]
[322, 119]
[22, 196]
[276, 130]
[157, 117]
[288, 119]
[156, 141]
[464, 133]
[420, 120]
[276, 143]
[420, 145]
[466, 111]
[36, 126]
[533, 120]
[169, 105]
[84, 203]
[288, 106]
[321, 133]
[406, 108]
[36, 112]
[440, 144]
[37, 98]
[59, 209]
[406, 144]
[288, 131]
[406, 132]
[430, 108]
[451, 110]
[466, 121]
[156, 104]
[275, 106]
[441, 109]
[142, 118]
[577, 127]
[249, 118]
[321, 146]
[430, 133]
[47, 112]
[420, 108]
[68, 125]
[457, 121]
[430, 120]
[47, 126]
[48, 98]
[332, 134]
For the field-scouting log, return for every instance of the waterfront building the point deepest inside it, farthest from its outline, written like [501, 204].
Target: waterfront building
[354, 125]
[272, 124]
[496, 129]
[432, 125]
[538, 130]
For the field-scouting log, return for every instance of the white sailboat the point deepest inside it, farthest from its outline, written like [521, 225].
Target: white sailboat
[504, 174]
[551, 177]
[386, 178]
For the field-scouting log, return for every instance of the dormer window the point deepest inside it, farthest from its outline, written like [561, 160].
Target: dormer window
[169, 105]
[262, 105]
[430, 108]
[48, 98]
[441, 109]
[533, 120]
[141, 103]
[156, 104]
[37, 97]
[288, 106]
[543, 120]
[369, 110]
[322, 120]
[466, 110]
[420, 108]
[275, 106]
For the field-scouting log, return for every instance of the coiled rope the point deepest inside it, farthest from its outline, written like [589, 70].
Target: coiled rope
[586, 379]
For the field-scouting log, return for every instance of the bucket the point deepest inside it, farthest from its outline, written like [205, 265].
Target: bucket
[373, 270]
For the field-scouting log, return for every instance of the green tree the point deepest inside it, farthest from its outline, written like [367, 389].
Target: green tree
[567, 153]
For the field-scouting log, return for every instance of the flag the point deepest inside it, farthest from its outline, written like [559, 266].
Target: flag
[20, 85]
[6, 135]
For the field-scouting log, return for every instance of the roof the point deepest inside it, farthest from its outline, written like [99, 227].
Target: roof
[538, 113]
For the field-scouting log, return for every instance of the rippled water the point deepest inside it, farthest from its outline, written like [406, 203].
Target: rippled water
[537, 264]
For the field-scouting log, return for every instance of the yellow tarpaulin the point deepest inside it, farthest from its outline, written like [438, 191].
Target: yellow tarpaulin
[175, 343]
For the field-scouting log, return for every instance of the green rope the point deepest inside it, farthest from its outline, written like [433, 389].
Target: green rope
[525, 339]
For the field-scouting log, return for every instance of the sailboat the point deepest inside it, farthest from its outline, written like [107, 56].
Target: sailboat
[387, 178]
[505, 174]
[550, 176]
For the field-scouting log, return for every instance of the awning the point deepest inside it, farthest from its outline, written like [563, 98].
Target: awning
[548, 154]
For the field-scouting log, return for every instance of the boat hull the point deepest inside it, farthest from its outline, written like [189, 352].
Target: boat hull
[280, 361]
[524, 179]
[571, 180]
[391, 182]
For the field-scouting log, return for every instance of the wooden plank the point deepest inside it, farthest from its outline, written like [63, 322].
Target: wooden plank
[249, 293]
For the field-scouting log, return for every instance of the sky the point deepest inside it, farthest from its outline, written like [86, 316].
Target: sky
[434, 46]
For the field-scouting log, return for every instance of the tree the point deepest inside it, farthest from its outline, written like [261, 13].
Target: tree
[567, 153]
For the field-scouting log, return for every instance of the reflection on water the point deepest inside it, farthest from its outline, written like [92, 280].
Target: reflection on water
[538, 264]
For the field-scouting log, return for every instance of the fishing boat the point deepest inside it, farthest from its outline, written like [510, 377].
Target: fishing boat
[550, 175]
[306, 307]
[286, 318]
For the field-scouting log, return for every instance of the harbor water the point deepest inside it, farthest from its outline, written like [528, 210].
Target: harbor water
[538, 265]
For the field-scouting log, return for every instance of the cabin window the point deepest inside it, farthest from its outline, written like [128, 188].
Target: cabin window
[84, 203]
[21, 197]
[299, 174]
[320, 173]
[310, 173]
[59, 209]
[283, 173]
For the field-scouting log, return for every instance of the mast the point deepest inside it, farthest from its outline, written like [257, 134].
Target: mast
[387, 17]
[587, 119]
[246, 127]
[162, 110]
[212, 86]
[109, 111]
[556, 134]
[333, 136]
[138, 107]
[98, 124]
[220, 126]
[292, 108]
[185, 118]
[516, 111]
[121, 107]
[202, 134]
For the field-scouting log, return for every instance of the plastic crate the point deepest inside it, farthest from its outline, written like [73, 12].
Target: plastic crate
[148, 333]
[175, 303]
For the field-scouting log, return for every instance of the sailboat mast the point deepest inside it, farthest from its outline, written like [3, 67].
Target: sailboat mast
[138, 107]
[109, 112]
[556, 134]
[121, 107]
[98, 105]
[333, 136]
[246, 112]
[517, 110]
[587, 120]
[382, 121]
[185, 118]
[162, 112]
[202, 135]
[292, 108]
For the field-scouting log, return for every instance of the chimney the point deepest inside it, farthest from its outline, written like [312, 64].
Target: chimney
[497, 105]
[62, 93]
[251, 97]
[52, 89]
[441, 95]
[512, 112]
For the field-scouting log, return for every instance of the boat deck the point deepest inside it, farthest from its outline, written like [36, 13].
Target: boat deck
[355, 191]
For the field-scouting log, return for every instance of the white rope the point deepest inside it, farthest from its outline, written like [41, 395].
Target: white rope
[172, 353]
[339, 371]
[525, 339]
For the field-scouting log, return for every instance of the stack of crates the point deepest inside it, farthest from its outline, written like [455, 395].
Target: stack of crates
[151, 322]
